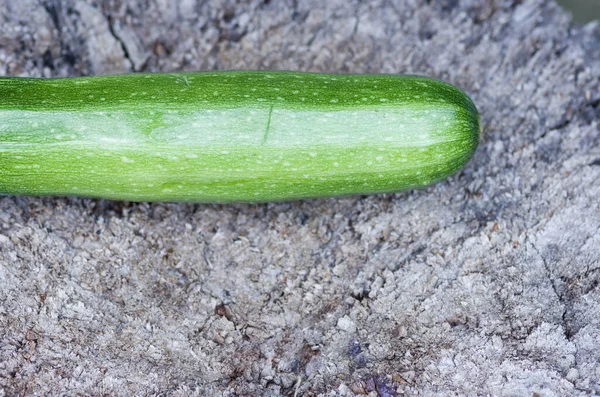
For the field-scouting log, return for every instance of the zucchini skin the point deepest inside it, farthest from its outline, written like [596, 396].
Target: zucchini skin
[231, 136]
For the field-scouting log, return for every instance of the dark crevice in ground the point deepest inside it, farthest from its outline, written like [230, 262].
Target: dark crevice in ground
[111, 28]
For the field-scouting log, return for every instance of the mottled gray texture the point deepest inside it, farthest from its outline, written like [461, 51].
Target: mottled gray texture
[487, 283]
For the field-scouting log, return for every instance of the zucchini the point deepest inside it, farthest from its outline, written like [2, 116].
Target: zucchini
[247, 136]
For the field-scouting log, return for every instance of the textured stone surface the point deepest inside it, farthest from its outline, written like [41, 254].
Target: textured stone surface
[487, 283]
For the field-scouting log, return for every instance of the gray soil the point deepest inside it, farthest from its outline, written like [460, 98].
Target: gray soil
[486, 283]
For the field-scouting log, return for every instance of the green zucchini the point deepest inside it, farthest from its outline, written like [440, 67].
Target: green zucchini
[228, 136]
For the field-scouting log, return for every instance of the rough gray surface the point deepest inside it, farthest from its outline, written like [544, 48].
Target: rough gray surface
[487, 283]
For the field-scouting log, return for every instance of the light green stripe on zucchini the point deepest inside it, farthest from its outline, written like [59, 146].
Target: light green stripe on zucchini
[230, 136]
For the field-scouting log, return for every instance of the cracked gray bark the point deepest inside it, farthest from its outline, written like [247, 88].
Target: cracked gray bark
[487, 283]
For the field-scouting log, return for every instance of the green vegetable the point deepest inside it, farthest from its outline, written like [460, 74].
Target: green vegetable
[230, 136]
